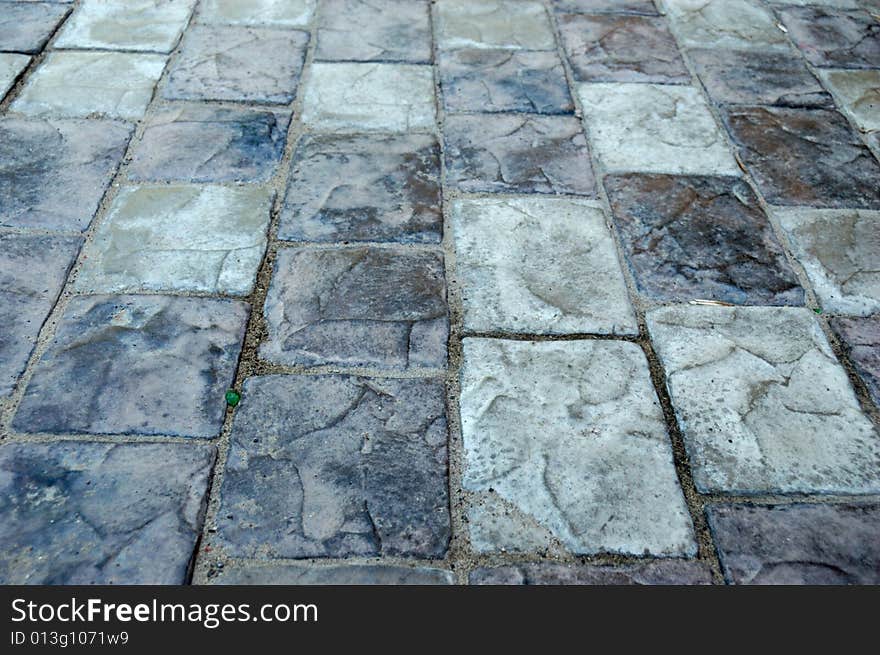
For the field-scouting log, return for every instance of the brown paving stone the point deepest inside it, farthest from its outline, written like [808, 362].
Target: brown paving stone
[833, 37]
[861, 339]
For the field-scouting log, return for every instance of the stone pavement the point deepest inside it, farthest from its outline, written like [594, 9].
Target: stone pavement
[411, 292]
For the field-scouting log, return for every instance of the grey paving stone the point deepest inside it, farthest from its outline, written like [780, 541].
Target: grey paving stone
[359, 97]
[764, 406]
[700, 237]
[798, 544]
[364, 188]
[564, 443]
[518, 154]
[281, 13]
[204, 143]
[351, 574]
[32, 272]
[150, 365]
[622, 48]
[27, 26]
[660, 572]
[504, 80]
[756, 77]
[374, 307]
[336, 466]
[374, 30]
[655, 128]
[859, 95]
[78, 513]
[86, 84]
[201, 238]
[838, 249]
[805, 157]
[512, 24]
[250, 64]
[143, 25]
[11, 66]
[833, 37]
[724, 23]
[53, 173]
[539, 265]
[861, 340]
[644, 7]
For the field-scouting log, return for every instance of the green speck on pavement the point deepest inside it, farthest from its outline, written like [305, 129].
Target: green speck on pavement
[232, 397]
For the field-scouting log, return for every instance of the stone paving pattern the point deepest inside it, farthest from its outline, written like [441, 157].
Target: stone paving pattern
[440, 292]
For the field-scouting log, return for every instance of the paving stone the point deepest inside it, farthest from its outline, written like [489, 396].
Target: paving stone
[374, 30]
[764, 406]
[203, 238]
[144, 25]
[11, 66]
[204, 143]
[539, 265]
[150, 365]
[84, 84]
[838, 249]
[32, 272]
[805, 157]
[374, 307]
[697, 237]
[798, 544]
[27, 26]
[724, 24]
[504, 80]
[78, 513]
[280, 13]
[369, 97]
[644, 7]
[364, 188]
[620, 48]
[512, 24]
[655, 128]
[53, 173]
[833, 37]
[861, 339]
[755, 77]
[859, 95]
[840, 4]
[660, 572]
[351, 574]
[518, 154]
[249, 64]
[337, 466]
[565, 442]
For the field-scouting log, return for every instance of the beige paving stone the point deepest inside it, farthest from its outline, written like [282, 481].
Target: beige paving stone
[283, 13]
[858, 93]
[512, 24]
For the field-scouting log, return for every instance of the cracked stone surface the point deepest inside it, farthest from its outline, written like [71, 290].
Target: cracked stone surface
[278, 13]
[11, 66]
[643, 7]
[564, 443]
[364, 188]
[27, 26]
[697, 237]
[798, 544]
[754, 77]
[859, 95]
[518, 154]
[374, 30]
[369, 97]
[32, 271]
[660, 572]
[861, 340]
[724, 23]
[143, 25]
[78, 513]
[805, 157]
[202, 143]
[53, 173]
[337, 466]
[504, 80]
[203, 238]
[373, 307]
[834, 38]
[511, 24]
[620, 48]
[249, 64]
[838, 250]
[83, 84]
[153, 365]
[763, 405]
[539, 265]
[350, 574]
[654, 128]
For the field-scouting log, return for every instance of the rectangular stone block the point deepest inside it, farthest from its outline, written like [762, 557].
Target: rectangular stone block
[657, 572]
[835, 38]
[861, 340]
[510, 24]
[642, 7]
[858, 93]
[11, 66]
[347, 574]
[280, 13]
[724, 24]
[27, 26]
